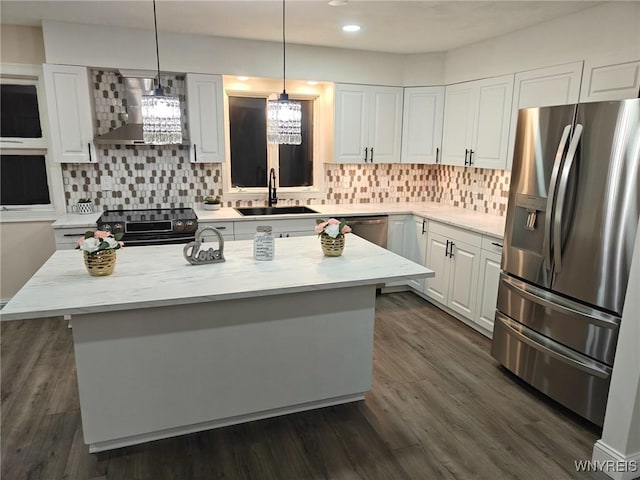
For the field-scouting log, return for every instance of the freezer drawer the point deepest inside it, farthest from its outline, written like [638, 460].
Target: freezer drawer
[579, 327]
[577, 382]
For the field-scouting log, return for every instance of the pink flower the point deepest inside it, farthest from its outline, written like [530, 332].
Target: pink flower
[101, 234]
[80, 241]
[122, 243]
[333, 221]
[346, 229]
[320, 227]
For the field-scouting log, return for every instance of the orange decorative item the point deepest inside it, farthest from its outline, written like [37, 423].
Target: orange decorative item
[101, 263]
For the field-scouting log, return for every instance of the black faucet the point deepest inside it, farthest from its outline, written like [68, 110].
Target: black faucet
[273, 199]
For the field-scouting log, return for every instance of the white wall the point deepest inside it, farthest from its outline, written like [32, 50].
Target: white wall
[20, 44]
[602, 35]
[112, 47]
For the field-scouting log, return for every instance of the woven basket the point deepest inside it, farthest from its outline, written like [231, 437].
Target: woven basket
[100, 264]
[332, 247]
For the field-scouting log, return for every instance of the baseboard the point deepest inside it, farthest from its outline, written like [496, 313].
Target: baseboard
[613, 463]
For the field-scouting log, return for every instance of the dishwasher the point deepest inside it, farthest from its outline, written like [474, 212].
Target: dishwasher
[373, 229]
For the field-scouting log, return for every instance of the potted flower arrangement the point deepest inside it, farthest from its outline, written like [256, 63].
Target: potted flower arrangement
[99, 249]
[331, 233]
[212, 203]
[85, 206]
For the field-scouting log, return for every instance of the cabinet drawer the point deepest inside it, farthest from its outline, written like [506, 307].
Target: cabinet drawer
[225, 228]
[455, 233]
[67, 238]
[492, 244]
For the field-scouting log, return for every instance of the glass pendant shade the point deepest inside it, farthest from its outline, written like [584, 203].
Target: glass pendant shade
[284, 121]
[161, 122]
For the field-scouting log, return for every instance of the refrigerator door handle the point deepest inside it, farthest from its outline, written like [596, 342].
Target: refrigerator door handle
[553, 349]
[562, 190]
[550, 198]
[559, 304]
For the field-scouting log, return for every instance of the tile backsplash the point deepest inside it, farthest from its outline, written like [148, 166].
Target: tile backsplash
[162, 176]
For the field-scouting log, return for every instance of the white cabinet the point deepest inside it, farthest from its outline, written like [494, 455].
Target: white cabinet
[422, 117]
[225, 229]
[543, 87]
[487, 294]
[70, 113]
[206, 118]
[407, 236]
[477, 116]
[454, 255]
[368, 122]
[611, 82]
[67, 237]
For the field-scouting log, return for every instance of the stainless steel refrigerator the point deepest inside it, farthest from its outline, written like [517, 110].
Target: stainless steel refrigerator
[570, 229]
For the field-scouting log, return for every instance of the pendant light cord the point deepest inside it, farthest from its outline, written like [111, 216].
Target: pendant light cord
[284, 53]
[155, 25]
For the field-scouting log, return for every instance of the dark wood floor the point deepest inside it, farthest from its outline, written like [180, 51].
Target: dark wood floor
[440, 408]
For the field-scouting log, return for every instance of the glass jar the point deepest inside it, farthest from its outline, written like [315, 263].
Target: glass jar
[263, 245]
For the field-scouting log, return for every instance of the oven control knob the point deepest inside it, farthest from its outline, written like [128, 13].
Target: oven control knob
[118, 228]
[178, 226]
[105, 227]
[190, 226]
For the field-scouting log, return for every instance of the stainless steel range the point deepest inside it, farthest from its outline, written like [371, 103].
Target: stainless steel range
[151, 227]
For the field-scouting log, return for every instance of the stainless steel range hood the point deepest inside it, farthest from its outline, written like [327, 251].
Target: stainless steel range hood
[136, 84]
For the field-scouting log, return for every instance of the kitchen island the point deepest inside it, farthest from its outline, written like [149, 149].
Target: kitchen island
[165, 348]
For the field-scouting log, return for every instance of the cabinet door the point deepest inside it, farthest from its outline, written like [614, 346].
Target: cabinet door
[385, 124]
[395, 239]
[422, 117]
[70, 113]
[459, 116]
[463, 278]
[611, 82]
[543, 87]
[415, 246]
[438, 286]
[206, 118]
[351, 132]
[491, 125]
[487, 289]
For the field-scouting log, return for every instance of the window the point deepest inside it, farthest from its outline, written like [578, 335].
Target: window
[251, 157]
[29, 182]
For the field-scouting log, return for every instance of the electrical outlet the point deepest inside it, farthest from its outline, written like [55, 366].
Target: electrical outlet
[105, 183]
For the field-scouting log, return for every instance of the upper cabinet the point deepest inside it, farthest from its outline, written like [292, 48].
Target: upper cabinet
[543, 87]
[422, 117]
[70, 113]
[206, 118]
[611, 82]
[477, 116]
[368, 123]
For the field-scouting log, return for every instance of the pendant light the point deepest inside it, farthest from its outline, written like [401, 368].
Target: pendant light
[161, 122]
[283, 115]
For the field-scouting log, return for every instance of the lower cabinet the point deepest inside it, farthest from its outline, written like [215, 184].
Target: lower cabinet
[225, 229]
[454, 255]
[67, 237]
[490, 259]
[407, 236]
[245, 230]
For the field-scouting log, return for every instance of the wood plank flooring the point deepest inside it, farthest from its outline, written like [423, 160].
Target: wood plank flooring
[440, 408]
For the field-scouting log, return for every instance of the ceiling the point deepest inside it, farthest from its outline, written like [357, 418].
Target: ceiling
[387, 26]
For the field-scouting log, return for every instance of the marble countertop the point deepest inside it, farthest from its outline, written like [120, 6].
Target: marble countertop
[482, 223]
[155, 276]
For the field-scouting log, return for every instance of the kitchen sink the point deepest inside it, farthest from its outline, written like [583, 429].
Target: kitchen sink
[274, 210]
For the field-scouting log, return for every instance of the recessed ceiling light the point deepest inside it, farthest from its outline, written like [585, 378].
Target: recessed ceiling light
[338, 3]
[351, 28]
[312, 82]
[243, 79]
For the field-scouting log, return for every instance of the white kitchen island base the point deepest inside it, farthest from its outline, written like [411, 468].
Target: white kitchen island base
[164, 348]
[159, 372]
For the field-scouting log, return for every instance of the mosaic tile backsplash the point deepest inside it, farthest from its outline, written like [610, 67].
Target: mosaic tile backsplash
[162, 176]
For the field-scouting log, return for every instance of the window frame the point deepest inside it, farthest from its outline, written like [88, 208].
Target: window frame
[316, 190]
[33, 75]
